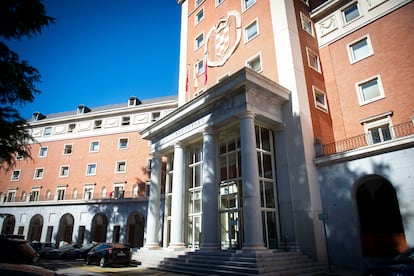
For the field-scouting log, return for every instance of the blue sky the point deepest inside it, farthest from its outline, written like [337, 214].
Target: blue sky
[101, 52]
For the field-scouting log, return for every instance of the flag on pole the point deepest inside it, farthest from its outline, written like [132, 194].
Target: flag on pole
[195, 84]
[186, 79]
[205, 68]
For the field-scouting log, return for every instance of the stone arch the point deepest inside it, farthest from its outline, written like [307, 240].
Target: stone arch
[65, 230]
[8, 225]
[35, 228]
[381, 227]
[99, 227]
[135, 230]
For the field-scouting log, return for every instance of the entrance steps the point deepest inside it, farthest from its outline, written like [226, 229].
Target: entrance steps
[265, 262]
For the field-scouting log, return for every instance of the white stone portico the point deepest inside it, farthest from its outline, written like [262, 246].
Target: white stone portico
[234, 106]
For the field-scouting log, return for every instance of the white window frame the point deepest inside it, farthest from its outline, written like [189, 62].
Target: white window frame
[43, 152]
[120, 163]
[259, 56]
[11, 195]
[97, 124]
[219, 2]
[198, 3]
[256, 23]
[88, 191]
[306, 20]
[197, 18]
[120, 145]
[245, 2]
[199, 41]
[351, 52]
[309, 55]
[125, 120]
[34, 194]
[38, 171]
[92, 147]
[360, 91]
[376, 124]
[71, 128]
[47, 131]
[15, 175]
[60, 193]
[199, 68]
[321, 106]
[66, 147]
[346, 8]
[89, 170]
[64, 168]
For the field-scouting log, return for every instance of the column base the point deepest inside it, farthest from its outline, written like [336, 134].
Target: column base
[210, 247]
[151, 246]
[254, 247]
[177, 246]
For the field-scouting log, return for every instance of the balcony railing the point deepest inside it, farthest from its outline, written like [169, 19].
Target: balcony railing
[363, 140]
[76, 197]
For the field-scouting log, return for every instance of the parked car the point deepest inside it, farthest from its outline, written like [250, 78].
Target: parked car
[17, 251]
[24, 270]
[43, 247]
[80, 253]
[105, 254]
[61, 252]
[401, 265]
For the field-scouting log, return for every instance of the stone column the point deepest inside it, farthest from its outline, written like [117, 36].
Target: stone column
[210, 218]
[252, 217]
[178, 199]
[153, 213]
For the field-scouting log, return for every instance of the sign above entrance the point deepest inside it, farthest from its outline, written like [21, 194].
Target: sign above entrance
[223, 39]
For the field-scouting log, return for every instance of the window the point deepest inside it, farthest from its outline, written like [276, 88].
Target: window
[34, 195]
[199, 16]
[67, 149]
[120, 166]
[370, 91]
[19, 156]
[247, 4]
[97, 124]
[199, 68]
[155, 116]
[360, 49]
[306, 24]
[83, 109]
[320, 99]
[88, 192]
[60, 193]
[351, 13]
[134, 101]
[125, 120]
[64, 171]
[11, 195]
[199, 41]
[313, 60]
[71, 128]
[255, 63]
[379, 128]
[39, 173]
[91, 169]
[43, 152]
[123, 143]
[48, 131]
[198, 2]
[94, 146]
[15, 175]
[218, 2]
[251, 31]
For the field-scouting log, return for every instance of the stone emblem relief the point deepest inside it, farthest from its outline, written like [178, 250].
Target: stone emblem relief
[328, 25]
[223, 39]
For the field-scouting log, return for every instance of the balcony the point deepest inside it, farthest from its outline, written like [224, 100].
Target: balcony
[70, 198]
[386, 134]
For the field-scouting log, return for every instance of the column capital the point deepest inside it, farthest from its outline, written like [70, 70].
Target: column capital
[247, 113]
[179, 145]
[210, 130]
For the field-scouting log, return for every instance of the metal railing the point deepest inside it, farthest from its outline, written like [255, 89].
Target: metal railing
[363, 140]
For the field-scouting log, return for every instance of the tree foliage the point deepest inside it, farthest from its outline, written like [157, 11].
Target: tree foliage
[18, 19]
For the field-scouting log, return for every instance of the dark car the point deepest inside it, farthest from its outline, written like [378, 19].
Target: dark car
[401, 265]
[43, 247]
[80, 253]
[105, 254]
[61, 252]
[17, 251]
[24, 270]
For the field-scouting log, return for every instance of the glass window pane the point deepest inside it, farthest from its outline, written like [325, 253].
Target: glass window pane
[351, 13]
[360, 49]
[370, 90]
[251, 31]
[267, 166]
[269, 194]
[265, 139]
[386, 133]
